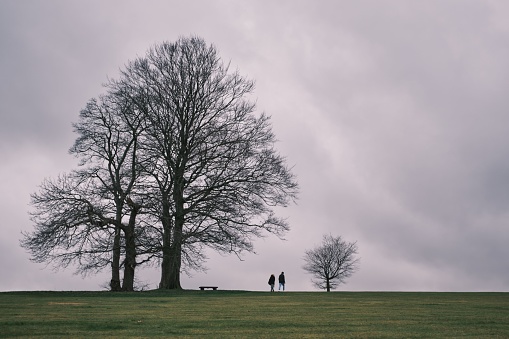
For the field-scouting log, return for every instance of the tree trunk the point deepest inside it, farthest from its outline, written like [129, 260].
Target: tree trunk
[172, 251]
[176, 246]
[328, 285]
[129, 266]
[175, 264]
[166, 261]
[130, 252]
[115, 262]
[172, 259]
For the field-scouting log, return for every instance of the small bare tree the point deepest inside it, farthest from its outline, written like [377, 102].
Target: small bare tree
[331, 262]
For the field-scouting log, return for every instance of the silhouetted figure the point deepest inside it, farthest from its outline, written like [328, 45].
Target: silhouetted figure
[272, 282]
[282, 281]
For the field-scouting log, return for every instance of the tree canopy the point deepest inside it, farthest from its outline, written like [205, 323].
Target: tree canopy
[174, 158]
[331, 262]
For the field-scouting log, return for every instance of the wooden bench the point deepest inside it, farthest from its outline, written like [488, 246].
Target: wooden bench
[211, 287]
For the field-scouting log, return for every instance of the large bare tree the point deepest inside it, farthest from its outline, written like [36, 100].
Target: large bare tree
[331, 262]
[98, 199]
[107, 146]
[214, 161]
[175, 159]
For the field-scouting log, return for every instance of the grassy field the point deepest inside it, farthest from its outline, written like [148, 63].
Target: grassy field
[239, 314]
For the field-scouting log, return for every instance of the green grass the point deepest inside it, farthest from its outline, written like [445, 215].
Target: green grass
[239, 314]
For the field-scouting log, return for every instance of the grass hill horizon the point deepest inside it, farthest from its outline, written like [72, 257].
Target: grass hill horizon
[254, 314]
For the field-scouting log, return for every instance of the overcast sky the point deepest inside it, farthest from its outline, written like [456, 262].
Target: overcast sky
[394, 114]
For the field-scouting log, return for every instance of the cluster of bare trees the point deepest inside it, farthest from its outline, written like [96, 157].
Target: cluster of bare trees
[173, 159]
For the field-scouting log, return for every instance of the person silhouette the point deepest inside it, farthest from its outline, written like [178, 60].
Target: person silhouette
[282, 281]
[272, 281]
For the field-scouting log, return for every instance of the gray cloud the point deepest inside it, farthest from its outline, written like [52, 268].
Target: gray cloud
[393, 113]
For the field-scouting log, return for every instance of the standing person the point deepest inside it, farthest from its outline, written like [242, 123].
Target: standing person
[272, 281]
[282, 281]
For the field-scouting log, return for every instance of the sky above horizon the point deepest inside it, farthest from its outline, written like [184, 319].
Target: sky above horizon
[393, 114]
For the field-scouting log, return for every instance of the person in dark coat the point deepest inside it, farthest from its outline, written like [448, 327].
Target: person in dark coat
[282, 281]
[272, 282]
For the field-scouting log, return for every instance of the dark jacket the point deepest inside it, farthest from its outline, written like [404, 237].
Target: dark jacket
[281, 278]
[272, 280]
